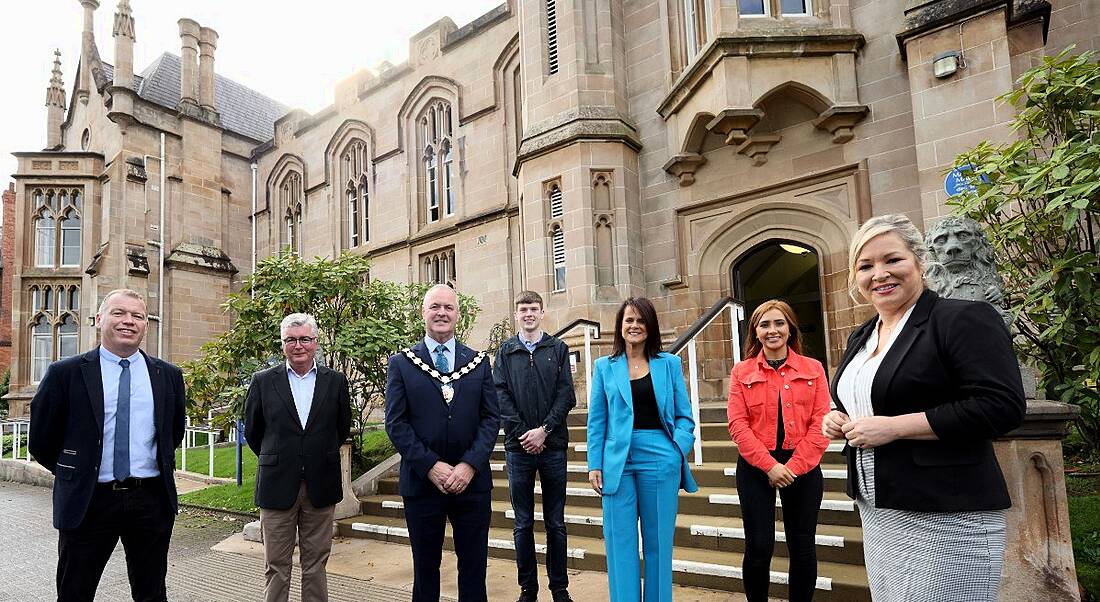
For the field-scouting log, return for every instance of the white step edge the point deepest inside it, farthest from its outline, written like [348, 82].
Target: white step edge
[833, 541]
[380, 529]
[540, 548]
[577, 491]
[734, 500]
[725, 570]
[828, 473]
[572, 519]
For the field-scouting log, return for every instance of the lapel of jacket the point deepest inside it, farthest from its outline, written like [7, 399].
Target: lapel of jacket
[463, 355]
[857, 343]
[662, 388]
[904, 340]
[320, 393]
[282, 387]
[156, 381]
[421, 351]
[93, 381]
[621, 371]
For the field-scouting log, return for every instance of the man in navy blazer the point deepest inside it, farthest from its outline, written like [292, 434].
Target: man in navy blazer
[106, 423]
[442, 416]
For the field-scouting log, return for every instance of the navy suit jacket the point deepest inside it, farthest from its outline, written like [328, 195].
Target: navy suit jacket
[426, 429]
[66, 434]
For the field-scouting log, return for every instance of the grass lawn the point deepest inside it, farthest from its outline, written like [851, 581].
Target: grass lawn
[7, 450]
[1084, 520]
[376, 447]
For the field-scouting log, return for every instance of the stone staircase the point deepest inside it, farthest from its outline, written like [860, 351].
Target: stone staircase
[709, 540]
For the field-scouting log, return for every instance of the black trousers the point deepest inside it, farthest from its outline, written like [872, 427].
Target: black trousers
[426, 517]
[142, 518]
[801, 502]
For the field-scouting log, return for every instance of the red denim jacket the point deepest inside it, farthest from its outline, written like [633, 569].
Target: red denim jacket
[752, 410]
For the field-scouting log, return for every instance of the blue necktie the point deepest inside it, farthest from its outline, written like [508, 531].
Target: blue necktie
[441, 362]
[122, 424]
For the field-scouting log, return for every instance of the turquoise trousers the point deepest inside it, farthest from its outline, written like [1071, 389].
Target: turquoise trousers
[649, 492]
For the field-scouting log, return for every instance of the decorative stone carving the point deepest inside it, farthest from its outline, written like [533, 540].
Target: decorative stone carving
[138, 262]
[683, 166]
[757, 147]
[735, 124]
[840, 120]
[963, 265]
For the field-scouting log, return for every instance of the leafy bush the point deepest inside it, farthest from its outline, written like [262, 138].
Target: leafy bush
[1039, 198]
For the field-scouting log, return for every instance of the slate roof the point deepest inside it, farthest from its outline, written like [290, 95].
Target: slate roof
[243, 110]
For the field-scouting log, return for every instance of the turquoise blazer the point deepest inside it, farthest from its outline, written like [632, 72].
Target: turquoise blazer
[611, 416]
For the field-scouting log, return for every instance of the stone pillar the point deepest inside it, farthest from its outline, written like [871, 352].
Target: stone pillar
[208, 41]
[1038, 562]
[87, 41]
[349, 506]
[122, 89]
[55, 103]
[189, 41]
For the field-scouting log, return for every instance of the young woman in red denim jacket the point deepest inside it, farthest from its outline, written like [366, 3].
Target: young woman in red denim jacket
[777, 399]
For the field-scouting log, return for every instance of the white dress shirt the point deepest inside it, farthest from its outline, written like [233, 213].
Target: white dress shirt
[143, 429]
[449, 352]
[301, 387]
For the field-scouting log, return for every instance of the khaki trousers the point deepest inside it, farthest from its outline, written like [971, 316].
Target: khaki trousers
[313, 527]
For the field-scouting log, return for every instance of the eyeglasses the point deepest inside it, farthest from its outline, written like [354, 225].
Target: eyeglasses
[303, 340]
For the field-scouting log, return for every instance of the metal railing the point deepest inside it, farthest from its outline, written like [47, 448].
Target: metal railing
[18, 429]
[687, 341]
[591, 330]
[189, 433]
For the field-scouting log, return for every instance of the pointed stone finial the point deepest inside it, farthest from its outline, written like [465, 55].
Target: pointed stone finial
[124, 20]
[55, 94]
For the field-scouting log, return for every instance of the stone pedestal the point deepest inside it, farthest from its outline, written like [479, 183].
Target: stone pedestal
[349, 506]
[1038, 563]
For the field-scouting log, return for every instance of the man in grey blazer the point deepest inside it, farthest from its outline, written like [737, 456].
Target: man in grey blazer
[296, 417]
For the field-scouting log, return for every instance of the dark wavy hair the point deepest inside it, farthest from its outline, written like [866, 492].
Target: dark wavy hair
[648, 313]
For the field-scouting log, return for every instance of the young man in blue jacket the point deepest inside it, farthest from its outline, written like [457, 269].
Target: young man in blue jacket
[535, 390]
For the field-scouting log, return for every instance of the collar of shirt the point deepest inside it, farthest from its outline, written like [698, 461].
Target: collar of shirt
[528, 343]
[104, 354]
[431, 344]
[308, 372]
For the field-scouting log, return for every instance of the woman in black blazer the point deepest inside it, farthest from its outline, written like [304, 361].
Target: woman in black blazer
[921, 391]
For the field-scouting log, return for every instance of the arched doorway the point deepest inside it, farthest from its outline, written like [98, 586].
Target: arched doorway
[787, 270]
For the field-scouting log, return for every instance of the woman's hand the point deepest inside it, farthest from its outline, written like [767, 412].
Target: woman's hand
[595, 477]
[870, 431]
[780, 476]
[833, 423]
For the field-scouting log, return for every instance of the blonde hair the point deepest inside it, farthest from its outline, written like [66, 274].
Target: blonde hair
[896, 223]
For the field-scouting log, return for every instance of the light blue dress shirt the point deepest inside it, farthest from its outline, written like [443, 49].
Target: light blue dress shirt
[431, 344]
[143, 430]
[301, 387]
[528, 344]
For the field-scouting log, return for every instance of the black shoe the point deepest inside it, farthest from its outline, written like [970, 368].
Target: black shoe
[562, 596]
[528, 596]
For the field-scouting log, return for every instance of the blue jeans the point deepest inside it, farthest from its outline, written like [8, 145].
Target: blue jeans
[551, 468]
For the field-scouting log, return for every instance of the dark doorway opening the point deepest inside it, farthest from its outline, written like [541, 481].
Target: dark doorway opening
[785, 270]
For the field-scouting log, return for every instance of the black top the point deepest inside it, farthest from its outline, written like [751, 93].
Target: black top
[779, 432]
[645, 404]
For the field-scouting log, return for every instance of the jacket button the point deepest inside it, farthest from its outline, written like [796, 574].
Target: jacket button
[449, 417]
[748, 386]
[782, 374]
[810, 383]
[786, 386]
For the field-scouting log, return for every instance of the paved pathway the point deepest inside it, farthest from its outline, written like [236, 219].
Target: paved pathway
[196, 573]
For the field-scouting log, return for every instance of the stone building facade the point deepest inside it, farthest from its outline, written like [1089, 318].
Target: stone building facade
[145, 183]
[7, 246]
[685, 150]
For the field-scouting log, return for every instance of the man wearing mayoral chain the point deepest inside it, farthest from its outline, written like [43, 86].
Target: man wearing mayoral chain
[442, 416]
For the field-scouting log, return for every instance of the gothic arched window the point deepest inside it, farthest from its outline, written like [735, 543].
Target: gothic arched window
[290, 197]
[356, 162]
[437, 142]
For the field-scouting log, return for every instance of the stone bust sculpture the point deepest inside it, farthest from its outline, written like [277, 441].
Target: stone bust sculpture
[962, 265]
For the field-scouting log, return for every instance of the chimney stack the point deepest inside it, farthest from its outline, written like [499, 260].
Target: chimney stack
[55, 103]
[87, 40]
[189, 38]
[124, 45]
[208, 41]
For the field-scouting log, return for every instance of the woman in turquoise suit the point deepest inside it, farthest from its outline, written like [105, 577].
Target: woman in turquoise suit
[640, 432]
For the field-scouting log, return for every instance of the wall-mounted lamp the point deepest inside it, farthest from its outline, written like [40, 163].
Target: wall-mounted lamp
[947, 63]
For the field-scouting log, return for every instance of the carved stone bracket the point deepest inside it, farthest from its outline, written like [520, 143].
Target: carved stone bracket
[735, 124]
[839, 121]
[138, 263]
[757, 147]
[683, 166]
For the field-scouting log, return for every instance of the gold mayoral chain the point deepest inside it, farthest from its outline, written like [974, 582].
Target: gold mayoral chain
[447, 390]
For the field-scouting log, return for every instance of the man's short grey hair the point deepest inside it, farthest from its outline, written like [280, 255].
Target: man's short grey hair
[446, 287]
[897, 223]
[293, 320]
[124, 292]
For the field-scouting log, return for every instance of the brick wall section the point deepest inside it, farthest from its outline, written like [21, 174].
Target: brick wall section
[7, 254]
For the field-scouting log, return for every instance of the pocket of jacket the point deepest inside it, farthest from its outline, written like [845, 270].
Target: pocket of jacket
[748, 383]
[64, 472]
[268, 459]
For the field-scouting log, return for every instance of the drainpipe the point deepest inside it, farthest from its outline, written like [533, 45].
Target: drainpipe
[160, 262]
[253, 217]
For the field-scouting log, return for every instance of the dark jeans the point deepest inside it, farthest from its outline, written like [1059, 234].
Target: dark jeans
[801, 502]
[142, 518]
[551, 467]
